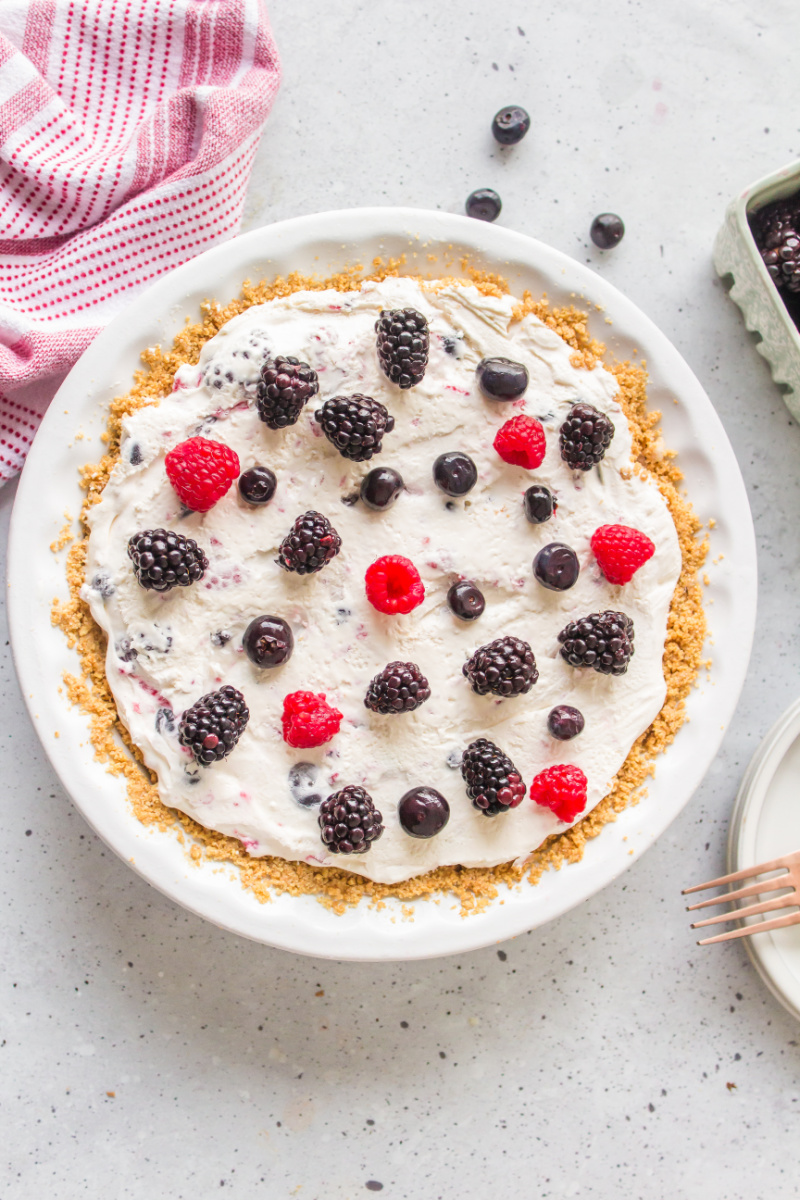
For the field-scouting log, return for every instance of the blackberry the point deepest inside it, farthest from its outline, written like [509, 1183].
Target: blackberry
[309, 545]
[494, 785]
[776, 229]
[505, 667]
[355, 425]
[399, 687]
[163, 559]
[214, 724]
[584, 437]
[603, 641]
[403, 342]
[285, 386]
[349, 822]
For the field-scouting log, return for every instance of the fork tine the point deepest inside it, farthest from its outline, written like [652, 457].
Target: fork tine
[756, 927]
[735, 876]
[792, 900]
[769, 885]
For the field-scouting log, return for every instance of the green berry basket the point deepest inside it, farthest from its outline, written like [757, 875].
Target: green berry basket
[739, 264]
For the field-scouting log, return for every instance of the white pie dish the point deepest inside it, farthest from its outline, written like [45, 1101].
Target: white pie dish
[324, 243]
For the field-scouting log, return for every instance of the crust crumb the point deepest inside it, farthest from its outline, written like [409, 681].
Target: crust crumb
[336, 889]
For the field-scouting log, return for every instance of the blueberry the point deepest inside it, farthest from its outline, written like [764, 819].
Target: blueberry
[501, 379]
[607, 231]
[540, 504]
[126, 650]
[466, 600]
[221, 637]
[350, 499]
[423, 812]
[343, 614]
[510, 125]
[381, 487]
[455, 473]
[268, 641]
[565, 722]
[484, 205]
[257, 486]
[165, 720]
[303, 784]
[102, 584]
[136, 455]
[556, 567]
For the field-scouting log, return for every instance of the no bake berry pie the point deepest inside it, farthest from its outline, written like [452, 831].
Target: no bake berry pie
[389, 590]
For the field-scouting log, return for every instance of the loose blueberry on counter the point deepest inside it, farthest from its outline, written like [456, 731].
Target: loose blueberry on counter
[565, 722]
[540, 504]
[257, 485]
[510, 125]
[466, 601]
[268, 641]
[501, 379]
[455, 473]
[423, 812]
[303, 778]
[381, 487]
[556, 567]
[483, 204]
[607, 231]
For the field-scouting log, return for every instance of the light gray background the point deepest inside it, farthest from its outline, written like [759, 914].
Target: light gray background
[594, 1057]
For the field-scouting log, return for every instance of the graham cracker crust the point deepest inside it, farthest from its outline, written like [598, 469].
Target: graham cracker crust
[337, 889]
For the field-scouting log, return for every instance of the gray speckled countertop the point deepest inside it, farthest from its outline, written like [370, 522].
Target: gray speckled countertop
[146, 1054]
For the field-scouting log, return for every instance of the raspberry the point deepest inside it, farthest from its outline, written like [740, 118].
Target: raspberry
[308, 720]
[620, 550]
[505, 667]
[349, 822]
[562, 789]
[521, 442]
[213, 725]
[494, 785]
[393, 584]
[201, 471]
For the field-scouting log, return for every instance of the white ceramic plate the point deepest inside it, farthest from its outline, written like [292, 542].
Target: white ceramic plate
[766, 824]
[324, 243]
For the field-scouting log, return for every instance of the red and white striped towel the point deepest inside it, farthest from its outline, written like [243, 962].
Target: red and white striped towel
[127, 134]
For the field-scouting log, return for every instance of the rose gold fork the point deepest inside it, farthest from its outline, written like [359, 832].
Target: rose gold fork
[790, 878]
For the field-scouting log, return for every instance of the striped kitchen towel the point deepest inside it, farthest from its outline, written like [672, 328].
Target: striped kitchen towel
[127, 133]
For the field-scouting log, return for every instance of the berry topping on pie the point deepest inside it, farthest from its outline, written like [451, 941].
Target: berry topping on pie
[308, 720]
[521, 442]
[620, 551]
[562, 789]
[393, 585]
[201, 471]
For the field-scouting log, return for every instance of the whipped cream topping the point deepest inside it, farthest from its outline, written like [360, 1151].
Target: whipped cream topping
[166, 650]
